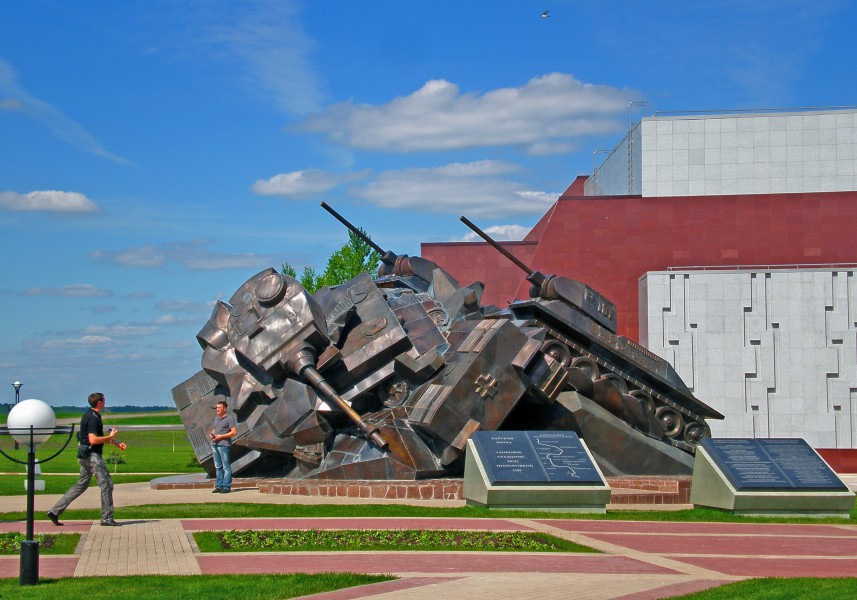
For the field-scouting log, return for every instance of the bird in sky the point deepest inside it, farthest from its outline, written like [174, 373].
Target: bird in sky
[546, 14]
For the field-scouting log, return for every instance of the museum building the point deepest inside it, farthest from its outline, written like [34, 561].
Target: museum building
[727, 242]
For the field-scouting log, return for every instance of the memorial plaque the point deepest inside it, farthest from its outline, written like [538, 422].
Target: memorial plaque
[801, 464]
[563, 457]
[540, 457]
[771, 464]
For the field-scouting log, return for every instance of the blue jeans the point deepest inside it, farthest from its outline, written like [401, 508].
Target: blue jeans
[223, 467]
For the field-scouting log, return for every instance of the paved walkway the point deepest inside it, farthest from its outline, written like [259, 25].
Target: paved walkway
[637, 560]
[156, 547]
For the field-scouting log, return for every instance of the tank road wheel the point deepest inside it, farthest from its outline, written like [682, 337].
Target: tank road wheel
[588, 366]
[619, 383]
[394, 392]
[670, 419]
[558, 351]
[694, 432]
[646, 400]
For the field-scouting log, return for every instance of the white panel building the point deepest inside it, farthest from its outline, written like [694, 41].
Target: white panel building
[774, 350]
[698, 154]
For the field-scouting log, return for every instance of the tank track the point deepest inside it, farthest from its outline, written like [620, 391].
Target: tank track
[683, 428]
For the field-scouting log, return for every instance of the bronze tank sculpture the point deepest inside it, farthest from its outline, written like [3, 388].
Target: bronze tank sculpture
[387, 378]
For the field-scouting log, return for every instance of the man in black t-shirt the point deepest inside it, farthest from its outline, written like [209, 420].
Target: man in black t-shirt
[92, 440]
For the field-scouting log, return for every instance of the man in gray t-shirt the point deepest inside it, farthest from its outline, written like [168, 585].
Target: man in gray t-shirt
[221, 435]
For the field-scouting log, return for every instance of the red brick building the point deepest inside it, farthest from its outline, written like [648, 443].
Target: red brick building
[609, 242]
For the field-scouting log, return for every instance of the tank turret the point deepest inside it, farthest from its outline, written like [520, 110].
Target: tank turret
[574, 294]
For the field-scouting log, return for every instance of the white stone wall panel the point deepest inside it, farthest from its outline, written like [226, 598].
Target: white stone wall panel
[774, 351]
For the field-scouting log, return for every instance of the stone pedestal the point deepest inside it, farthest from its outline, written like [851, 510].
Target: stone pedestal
[527, 495]
[713, 487]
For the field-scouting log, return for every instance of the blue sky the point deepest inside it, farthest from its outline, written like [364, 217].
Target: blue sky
[154, 155]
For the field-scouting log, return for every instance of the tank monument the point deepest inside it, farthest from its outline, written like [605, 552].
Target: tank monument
[388, 377]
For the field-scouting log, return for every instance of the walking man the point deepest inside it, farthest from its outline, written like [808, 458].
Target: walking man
[221, 435]
[92, 440]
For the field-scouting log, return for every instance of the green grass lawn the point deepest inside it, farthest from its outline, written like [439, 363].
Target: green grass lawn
[349, 540]
[148, 452]
[10, 543]
[66, 414]
[117, 420]
[59, 415]
[13, 485]
[778, 588]
[209, 587]
[165, 452]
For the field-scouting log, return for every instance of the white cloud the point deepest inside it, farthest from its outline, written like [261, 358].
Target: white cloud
[82, 341]
[11, 104]
[186, 306]
[500, 233]
[78, 290]
[268, 39]
[472, 189]
[546, 115]
[173, 320]
[62, 127]
[192, 256]
[115, 355]
[141, 257]
[297, 183]
[120, 330]
[48, 201]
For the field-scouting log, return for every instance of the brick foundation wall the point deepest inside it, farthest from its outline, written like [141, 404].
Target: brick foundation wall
[435, 489]
[625, 490]
[650, 490]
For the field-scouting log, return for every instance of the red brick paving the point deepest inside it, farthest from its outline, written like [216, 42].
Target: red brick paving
[733, 549]
[424, 562]
[52, 567]
[700, 528]
[748, 566]
[752, 545]
[347, 523]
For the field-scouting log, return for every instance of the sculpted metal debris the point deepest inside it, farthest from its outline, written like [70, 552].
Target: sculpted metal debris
[387, 378]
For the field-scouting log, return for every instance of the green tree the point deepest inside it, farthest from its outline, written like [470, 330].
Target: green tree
[346, 263]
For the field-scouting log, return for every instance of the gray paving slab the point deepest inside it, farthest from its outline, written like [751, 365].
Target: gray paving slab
[146, 547]
[543, 586]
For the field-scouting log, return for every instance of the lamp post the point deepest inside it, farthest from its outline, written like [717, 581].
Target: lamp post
[31, 423]
[17, 385]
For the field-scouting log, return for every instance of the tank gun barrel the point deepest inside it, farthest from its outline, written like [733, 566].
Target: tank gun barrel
[320, 384]
[386, 256]
[414, 268]
[303, 365]
[534, 277]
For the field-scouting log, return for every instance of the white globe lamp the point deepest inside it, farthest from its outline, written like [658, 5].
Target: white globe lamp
[33, 413]
[31, 423]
